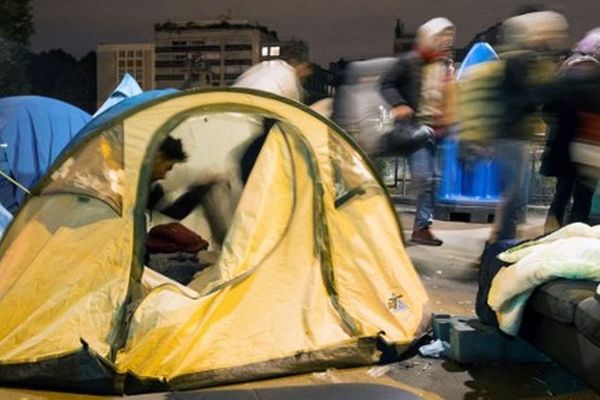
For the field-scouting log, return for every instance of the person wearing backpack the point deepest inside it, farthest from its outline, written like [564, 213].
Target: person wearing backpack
[414, 87]
[584, 64]
[533, 42]
[499, 102]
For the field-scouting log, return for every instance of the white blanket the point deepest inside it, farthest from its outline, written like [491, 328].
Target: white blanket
[572, 252]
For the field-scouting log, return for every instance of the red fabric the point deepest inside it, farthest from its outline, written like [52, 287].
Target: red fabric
[174, 237]
[429, 55]
[590, 128]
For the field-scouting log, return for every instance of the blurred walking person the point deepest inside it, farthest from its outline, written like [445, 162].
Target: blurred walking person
[580, 73]
[414, 88]
[499, 101]
[283, 77]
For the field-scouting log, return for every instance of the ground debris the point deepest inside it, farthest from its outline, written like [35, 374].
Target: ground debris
[329, 375]
[380, 370]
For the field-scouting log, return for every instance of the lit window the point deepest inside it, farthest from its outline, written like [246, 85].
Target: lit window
[274, 51]
[264, 51]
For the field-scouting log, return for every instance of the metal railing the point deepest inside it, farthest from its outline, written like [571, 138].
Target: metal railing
[396, 176]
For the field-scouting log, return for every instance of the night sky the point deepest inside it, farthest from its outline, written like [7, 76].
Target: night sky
[332, 28]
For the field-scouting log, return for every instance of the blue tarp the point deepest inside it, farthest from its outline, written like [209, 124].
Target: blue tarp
[127, 88]
[5, 218]
[475, 181]
[33, 132]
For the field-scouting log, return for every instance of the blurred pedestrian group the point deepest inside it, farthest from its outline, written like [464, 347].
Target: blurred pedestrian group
[413, 105]
[495, 110]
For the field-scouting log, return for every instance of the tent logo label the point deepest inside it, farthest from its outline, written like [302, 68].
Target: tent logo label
[395, 303]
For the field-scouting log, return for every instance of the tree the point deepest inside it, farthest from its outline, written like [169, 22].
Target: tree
[57, 74]
[16, 27]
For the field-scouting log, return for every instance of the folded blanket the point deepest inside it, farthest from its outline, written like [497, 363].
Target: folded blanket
[565, 255]
[577, 229]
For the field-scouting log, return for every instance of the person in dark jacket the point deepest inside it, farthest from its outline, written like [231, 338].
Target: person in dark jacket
[532, 42]
[169, 154]
[584, 64]
[414, 87]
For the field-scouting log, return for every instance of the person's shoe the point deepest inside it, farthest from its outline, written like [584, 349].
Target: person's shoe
[425, 237]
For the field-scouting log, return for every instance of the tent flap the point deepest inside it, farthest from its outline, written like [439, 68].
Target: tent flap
[363, 351]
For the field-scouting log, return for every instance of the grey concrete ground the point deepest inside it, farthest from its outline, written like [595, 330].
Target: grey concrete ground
[450, 271]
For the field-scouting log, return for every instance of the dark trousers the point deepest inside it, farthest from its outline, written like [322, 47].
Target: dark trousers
[568, 184]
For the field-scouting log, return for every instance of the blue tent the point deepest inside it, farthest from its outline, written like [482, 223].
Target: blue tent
[476, 181]
[121, 108]
[480, 52]
[127, 88]
[33, 132]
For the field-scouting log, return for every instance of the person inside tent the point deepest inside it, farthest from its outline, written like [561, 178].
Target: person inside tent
[172, 248]
[170, 154]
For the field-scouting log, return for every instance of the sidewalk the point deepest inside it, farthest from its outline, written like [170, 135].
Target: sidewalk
[449, 272]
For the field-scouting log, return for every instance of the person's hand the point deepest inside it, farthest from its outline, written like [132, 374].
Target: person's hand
[402, 112]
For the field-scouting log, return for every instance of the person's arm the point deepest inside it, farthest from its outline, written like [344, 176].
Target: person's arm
[156, 194]
[186, 203]
[390, 89]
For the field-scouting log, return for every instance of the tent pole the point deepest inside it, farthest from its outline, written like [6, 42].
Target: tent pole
[14, 182]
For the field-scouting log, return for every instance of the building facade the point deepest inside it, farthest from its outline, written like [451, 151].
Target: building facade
[114, 60]
[209, 52]
[205, 53]
[403, 41]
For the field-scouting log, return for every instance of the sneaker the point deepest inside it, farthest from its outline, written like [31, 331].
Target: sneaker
[425, 237]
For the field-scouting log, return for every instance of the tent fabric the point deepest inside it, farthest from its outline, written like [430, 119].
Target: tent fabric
[480, 52]
[33, 132]
[127, 88]
[312, 273]
[122, 108]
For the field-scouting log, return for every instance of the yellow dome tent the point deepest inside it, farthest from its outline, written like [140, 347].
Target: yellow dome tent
[311, 274]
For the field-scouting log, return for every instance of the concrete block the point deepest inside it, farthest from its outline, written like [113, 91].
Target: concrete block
[472, 342]
[441, 326]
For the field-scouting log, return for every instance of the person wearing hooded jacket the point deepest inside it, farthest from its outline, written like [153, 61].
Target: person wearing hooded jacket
[283, 77]
[532, 43]
[414, 88]
[583, 65]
